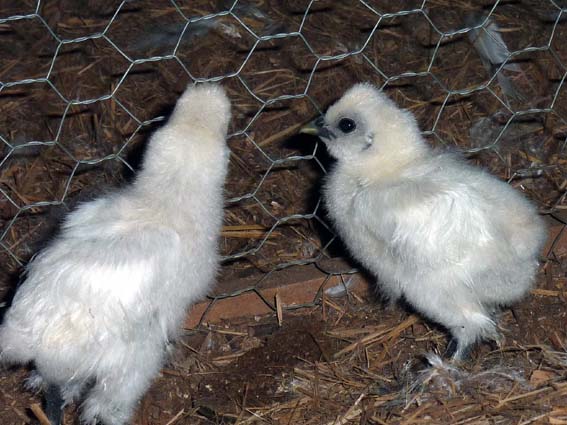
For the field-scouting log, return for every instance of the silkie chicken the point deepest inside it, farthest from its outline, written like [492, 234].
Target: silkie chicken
[100, 305]
[449, 239]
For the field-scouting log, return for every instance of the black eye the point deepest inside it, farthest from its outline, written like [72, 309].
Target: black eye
[346, 125]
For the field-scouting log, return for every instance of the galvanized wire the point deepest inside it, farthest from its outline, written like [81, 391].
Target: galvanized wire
[235, 11]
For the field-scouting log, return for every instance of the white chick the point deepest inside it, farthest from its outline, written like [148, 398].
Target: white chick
[451, 240]
[101, 304]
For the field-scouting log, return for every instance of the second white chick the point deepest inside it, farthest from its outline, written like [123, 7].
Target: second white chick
[101, 304]
[451, 240]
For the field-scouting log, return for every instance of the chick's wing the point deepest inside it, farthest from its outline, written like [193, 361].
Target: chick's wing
[428, 223]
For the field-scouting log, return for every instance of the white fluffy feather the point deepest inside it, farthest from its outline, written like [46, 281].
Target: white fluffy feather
[450, 239]
[101, 303]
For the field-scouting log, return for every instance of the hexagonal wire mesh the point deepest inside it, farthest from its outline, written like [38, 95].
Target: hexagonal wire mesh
[82, 83]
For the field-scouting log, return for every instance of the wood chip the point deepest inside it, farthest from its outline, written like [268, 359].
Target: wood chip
[40, 414]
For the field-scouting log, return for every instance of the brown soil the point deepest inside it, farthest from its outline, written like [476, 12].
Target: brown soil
[234, 373]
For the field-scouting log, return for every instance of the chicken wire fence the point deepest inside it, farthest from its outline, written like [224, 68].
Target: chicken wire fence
[83, 83]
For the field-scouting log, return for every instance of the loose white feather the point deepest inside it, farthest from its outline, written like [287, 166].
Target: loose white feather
[493, 51]
[489, 43]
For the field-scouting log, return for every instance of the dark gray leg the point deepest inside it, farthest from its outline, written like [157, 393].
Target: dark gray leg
[458, 352]
[54, 404]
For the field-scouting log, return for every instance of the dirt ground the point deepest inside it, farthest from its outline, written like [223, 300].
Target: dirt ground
[354, 361]
[75, 114]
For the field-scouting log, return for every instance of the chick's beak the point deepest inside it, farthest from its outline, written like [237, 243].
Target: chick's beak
[317, 128]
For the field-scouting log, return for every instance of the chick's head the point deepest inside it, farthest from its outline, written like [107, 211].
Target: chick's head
[364, 124]
[194, 137]
[204, 106]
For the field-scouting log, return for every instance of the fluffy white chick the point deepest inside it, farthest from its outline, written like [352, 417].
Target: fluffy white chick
[450, 239]
[101, 303]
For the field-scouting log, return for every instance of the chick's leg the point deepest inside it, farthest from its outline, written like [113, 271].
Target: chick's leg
[113, 398]
[54, 404]
[472, 325]
[112, 401]
[456, 351]
[458, 311]
[390, 293]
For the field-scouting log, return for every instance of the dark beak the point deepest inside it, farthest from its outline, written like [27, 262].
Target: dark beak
[317, 128]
